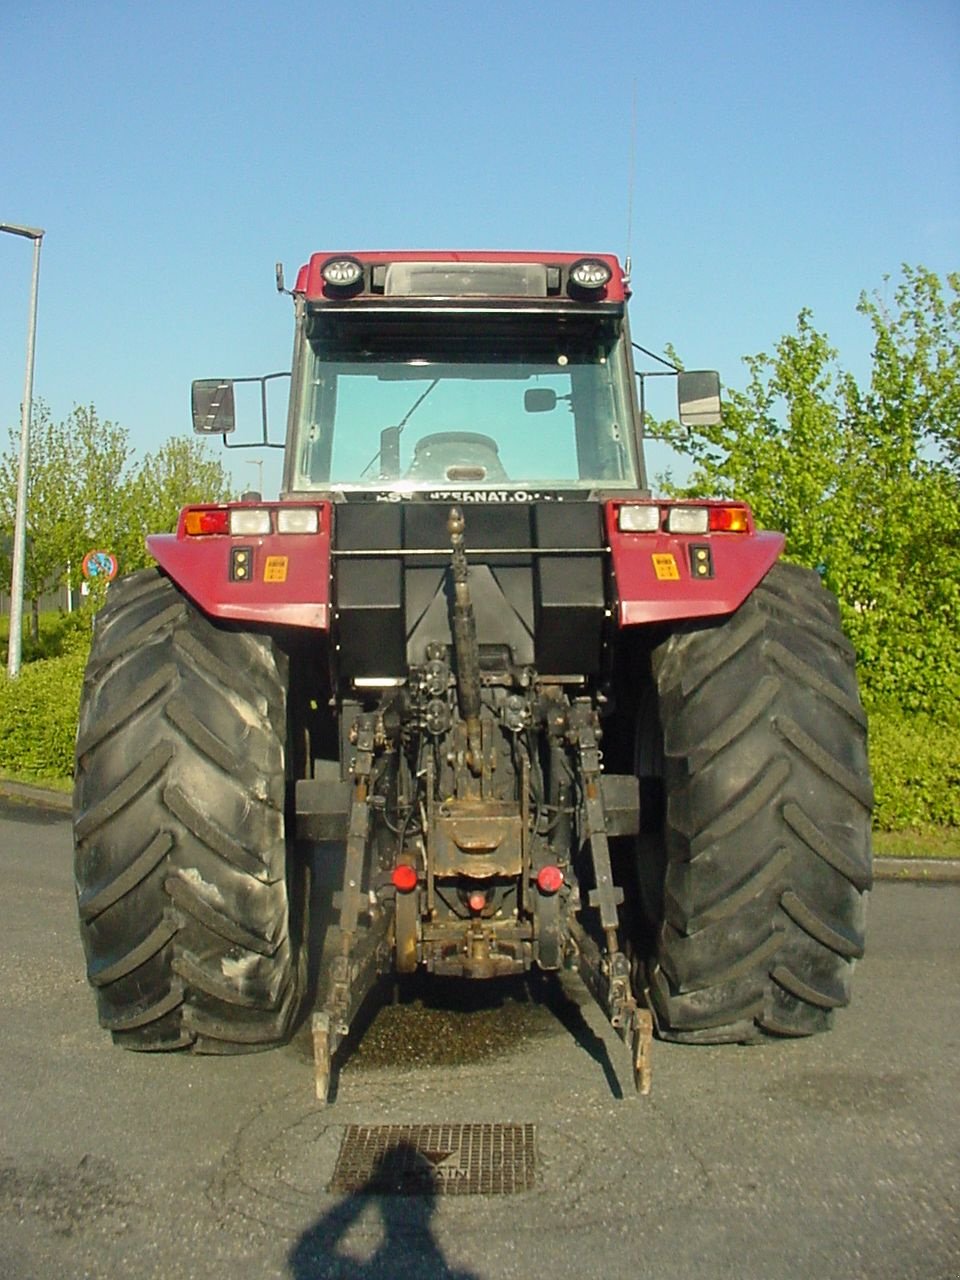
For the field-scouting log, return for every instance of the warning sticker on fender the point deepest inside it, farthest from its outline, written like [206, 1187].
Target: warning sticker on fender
[665, 567]
[275, 569]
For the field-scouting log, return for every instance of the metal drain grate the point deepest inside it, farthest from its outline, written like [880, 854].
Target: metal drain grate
[436, 1159]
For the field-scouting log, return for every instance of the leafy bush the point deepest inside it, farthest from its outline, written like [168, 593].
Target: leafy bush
[916, 770]
[60, 634]
[915, 759]
[38, 716]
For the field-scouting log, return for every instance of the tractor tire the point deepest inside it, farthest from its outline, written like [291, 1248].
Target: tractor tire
[766, 827]
[179, 812]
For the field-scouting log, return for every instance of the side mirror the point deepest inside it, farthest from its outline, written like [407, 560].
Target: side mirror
[213, 412]
[698, 397]
[539, 400]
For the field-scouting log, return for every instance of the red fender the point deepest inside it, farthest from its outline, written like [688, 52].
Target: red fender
[286, 579]
[654, 573]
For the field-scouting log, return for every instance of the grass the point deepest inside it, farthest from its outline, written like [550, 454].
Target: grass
[937, 842]
[49, 620]
[59, 633]
[64, 785]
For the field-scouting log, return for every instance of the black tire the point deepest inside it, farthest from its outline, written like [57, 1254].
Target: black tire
[767, 819]
[181, 855]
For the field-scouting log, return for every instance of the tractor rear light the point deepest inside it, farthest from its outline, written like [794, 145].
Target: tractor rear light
[298, 520]
[404, 878]
[729, 520]
[250, 521]
[590, 274]
[688, 520]
[549, 879]
[634, 518]
[199, 523]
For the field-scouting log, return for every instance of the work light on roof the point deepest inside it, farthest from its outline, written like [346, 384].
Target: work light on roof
[342, 273]
[590, 274]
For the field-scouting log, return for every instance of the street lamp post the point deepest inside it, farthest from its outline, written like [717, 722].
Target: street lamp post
[20, 523]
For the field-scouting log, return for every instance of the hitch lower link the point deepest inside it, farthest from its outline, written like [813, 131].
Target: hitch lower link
[606, 973]
[359, 955]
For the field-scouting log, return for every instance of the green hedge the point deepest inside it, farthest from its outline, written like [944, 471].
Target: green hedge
[915, 759]
[38, 717]
[916, 771]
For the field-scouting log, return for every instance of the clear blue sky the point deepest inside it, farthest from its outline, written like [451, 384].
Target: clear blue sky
[788, 155]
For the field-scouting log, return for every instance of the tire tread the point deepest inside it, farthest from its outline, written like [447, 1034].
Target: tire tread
[767, 819]
[180, 852]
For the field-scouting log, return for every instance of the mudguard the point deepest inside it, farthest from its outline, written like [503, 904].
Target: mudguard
[657, 576]
[282, 580]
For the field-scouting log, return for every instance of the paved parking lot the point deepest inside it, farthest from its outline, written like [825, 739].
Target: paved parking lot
[836, 1156]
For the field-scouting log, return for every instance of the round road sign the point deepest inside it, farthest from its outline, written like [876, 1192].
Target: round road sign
[99, 564]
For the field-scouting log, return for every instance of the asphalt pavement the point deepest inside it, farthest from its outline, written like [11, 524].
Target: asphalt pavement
[833, 1156]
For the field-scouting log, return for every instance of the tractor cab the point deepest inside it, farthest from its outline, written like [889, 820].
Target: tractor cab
[508, 375]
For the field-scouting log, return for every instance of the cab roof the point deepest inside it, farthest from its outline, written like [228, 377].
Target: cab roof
[447, 273]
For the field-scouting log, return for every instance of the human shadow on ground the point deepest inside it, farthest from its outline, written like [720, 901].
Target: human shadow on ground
[402, 1189]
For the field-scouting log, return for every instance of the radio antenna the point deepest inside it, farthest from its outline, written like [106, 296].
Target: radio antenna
[631, 173]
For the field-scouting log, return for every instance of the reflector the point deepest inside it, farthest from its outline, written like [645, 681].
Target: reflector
[549, 879]
[404, 877]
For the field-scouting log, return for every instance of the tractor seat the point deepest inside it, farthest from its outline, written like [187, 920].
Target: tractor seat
[460, 456]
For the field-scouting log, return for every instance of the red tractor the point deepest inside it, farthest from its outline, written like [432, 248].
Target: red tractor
[523, 713]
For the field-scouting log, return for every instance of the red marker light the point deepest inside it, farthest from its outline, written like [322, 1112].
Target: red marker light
[198, 523]
[549, 879]
[404, 878]
[477, 900]
[728, 520]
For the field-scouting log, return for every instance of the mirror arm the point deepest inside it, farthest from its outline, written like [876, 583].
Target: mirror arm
[253, 444]
[675, 368]
[264, 424]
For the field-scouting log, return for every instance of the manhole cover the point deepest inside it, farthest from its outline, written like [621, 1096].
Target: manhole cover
[436, 1159]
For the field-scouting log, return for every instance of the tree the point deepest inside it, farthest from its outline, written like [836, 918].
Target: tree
[85, 492]
[863, 481]
[71, 463]
[179, 473]
[915, 384]
[907, 487]
[783, 444]
[47, 540]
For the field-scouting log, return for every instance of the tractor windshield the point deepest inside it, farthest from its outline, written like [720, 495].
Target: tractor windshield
[504, 400]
